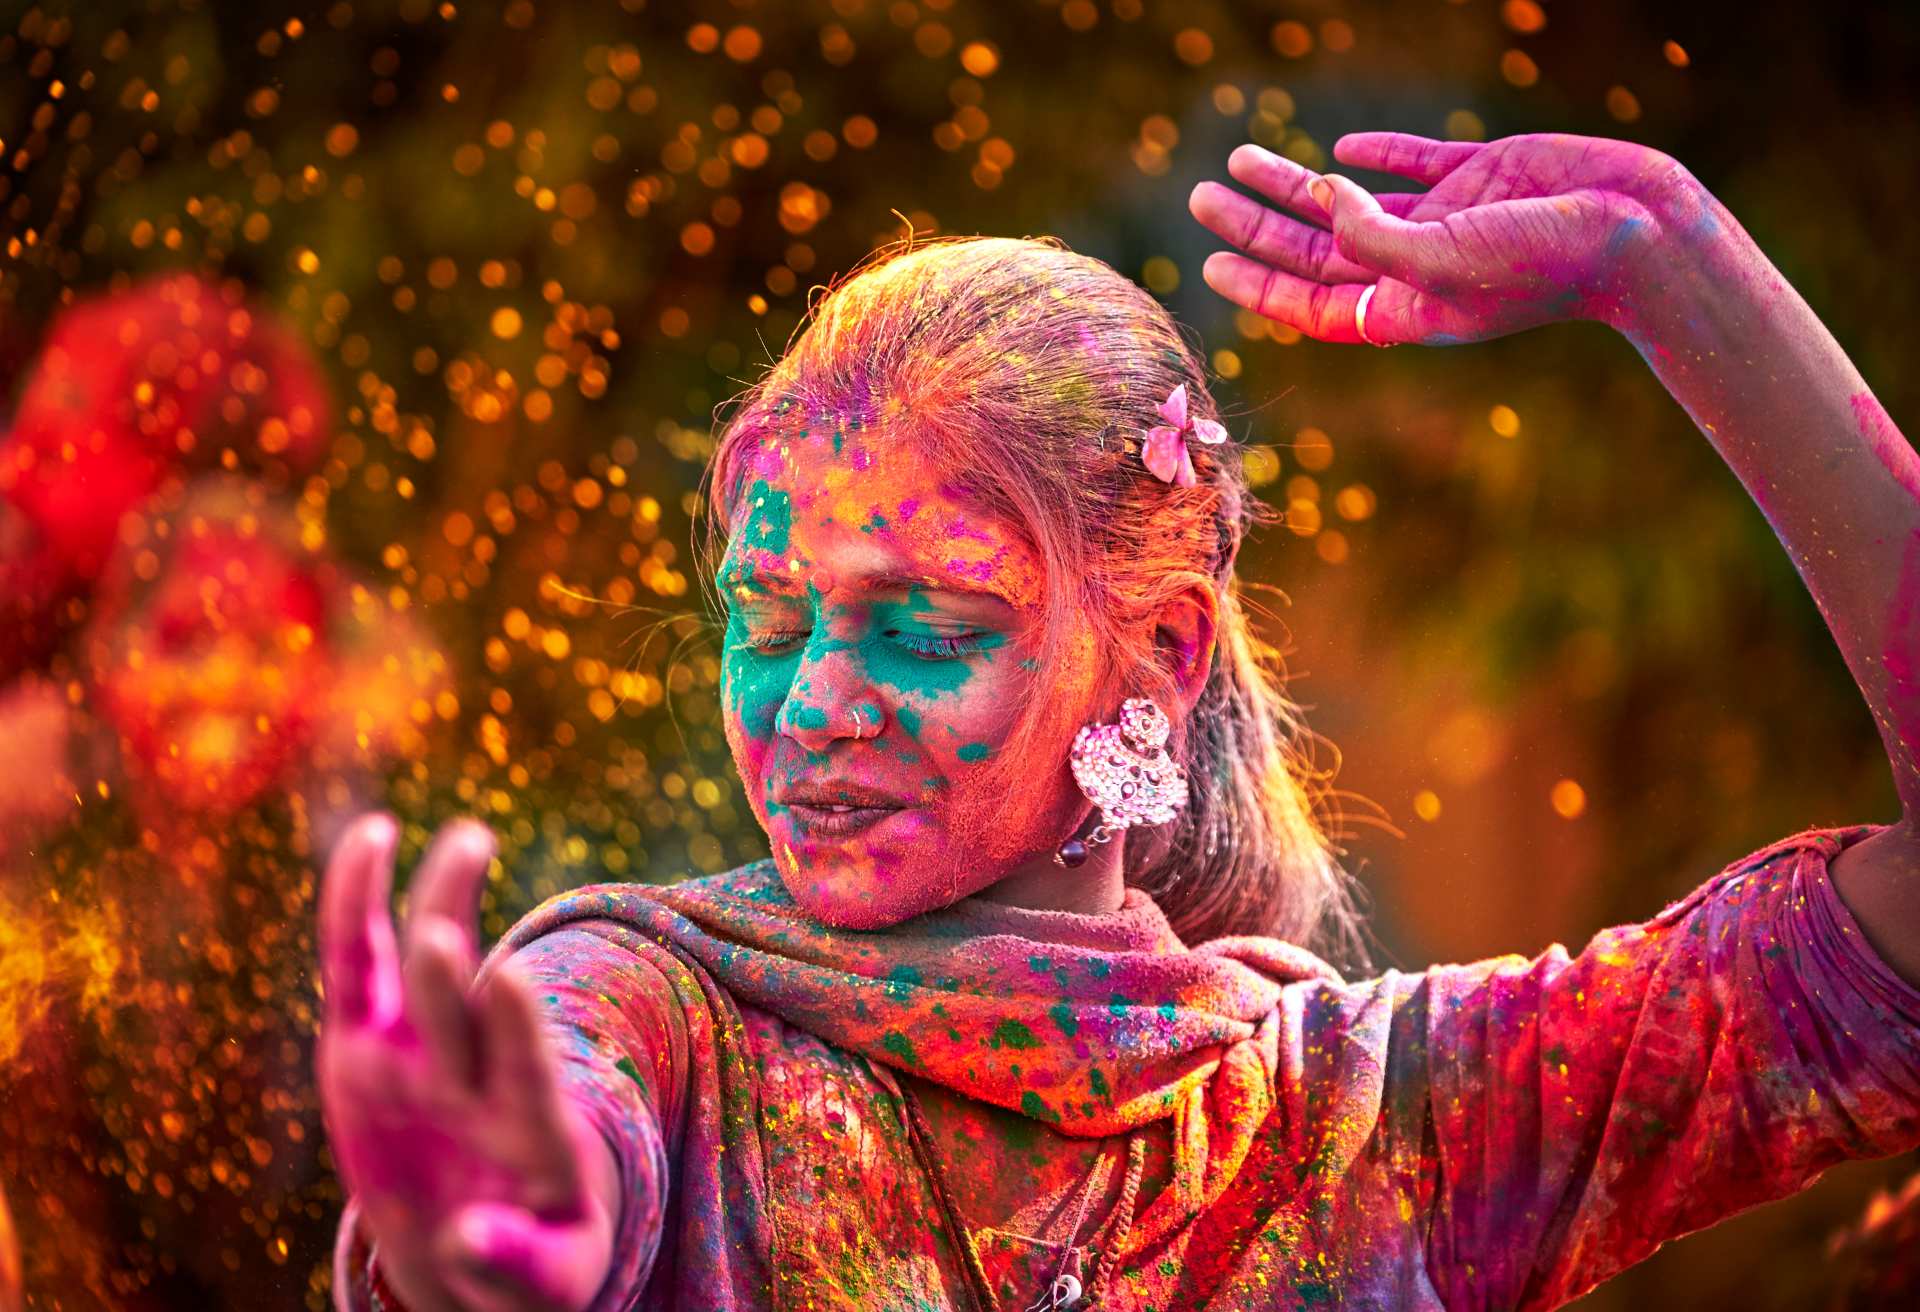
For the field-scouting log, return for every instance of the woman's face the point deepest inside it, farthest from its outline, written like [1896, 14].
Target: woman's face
[877, 653]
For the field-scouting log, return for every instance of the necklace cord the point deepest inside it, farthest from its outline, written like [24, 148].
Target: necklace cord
[1123, 1215]
[922, 1136]
[981, 1288]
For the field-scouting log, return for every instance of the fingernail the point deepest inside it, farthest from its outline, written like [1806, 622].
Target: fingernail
[1323, 193]
[381, 829]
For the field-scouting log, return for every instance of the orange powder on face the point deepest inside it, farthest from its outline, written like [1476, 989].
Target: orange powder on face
[1030, 375]
[1025, 802]
[1029, 803]
[1043, 809]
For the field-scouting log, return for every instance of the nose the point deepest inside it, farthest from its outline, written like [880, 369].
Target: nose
[830, 700]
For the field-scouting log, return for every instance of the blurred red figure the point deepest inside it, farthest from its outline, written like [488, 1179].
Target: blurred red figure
[133, 384]
[233, 661]
[210, 653]
[37, 787]
[33, 581]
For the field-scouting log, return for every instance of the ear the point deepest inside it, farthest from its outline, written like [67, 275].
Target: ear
[1183, 638]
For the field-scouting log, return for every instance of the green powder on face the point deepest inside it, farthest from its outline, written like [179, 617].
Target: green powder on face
[809, 717]
[901, 981]
[926, 680]
[973, 752]
[770, 525]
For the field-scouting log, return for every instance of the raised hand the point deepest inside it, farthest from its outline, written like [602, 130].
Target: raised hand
[1511, 234]
[483, 1188]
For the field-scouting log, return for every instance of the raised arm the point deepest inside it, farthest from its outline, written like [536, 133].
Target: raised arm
[1530, 230]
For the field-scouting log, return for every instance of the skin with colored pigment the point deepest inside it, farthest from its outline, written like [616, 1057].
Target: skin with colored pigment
[1530, 230]
[694, 1096]
[876, 625]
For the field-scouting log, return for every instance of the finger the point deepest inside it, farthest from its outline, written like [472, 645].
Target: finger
[519, 1073]
[1421, 158]
[1320, 311]
[447, 882]
[358, 961]
[1277, 178]
[439, 970]
[1288, 184]
[1402, 313]
[1272, 237]
[1379, 242]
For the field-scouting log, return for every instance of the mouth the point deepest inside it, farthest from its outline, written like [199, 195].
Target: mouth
[840, 819]
[830, 809]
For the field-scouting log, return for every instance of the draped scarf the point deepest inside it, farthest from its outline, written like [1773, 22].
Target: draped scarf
[1091, 1024]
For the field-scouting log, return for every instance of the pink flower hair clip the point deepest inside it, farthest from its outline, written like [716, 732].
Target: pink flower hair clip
[1165, 452]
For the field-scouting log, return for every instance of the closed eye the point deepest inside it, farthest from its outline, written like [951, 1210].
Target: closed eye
[938, 646]
[928, 646]
[773, 644]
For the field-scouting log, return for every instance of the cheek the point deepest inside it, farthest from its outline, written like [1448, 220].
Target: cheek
[954, 713]
[752, 690]
[994, 807]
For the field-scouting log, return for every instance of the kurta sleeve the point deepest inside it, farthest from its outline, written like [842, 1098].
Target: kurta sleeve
[608, 1005]
[1582, 1111]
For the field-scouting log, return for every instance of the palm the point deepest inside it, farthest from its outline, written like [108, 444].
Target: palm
[1513, 233]
[441, 1100]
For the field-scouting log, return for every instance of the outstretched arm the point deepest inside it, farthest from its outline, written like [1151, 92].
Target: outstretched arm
[1537, 229]
[484, 1188]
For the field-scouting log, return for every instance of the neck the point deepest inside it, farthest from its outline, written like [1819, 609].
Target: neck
[1041, 884]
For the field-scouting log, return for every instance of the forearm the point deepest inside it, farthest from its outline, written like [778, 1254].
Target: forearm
[1786, 409]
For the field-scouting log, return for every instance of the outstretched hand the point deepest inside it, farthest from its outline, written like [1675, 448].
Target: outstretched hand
[1511, 234]
[481, 1185]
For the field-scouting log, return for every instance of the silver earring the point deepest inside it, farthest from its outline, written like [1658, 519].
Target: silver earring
[1125, 771]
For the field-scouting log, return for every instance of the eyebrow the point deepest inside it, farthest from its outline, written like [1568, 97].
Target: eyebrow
[745, 574]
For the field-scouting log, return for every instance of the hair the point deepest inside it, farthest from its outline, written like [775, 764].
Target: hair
[1029, 374]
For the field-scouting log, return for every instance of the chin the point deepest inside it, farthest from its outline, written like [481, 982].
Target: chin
[846, 896]
[850, 886]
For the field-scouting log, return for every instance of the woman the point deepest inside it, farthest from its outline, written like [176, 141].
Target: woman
[993, 696]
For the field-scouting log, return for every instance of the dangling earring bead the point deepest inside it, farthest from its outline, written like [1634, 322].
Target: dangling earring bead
[1125, 771]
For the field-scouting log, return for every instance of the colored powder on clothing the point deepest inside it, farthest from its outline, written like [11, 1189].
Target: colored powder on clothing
[1506, 1133]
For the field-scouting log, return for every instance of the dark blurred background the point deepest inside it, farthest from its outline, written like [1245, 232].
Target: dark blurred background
[360, 361]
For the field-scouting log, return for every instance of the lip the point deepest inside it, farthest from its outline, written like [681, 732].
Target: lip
[822, 822]
[823, 793]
